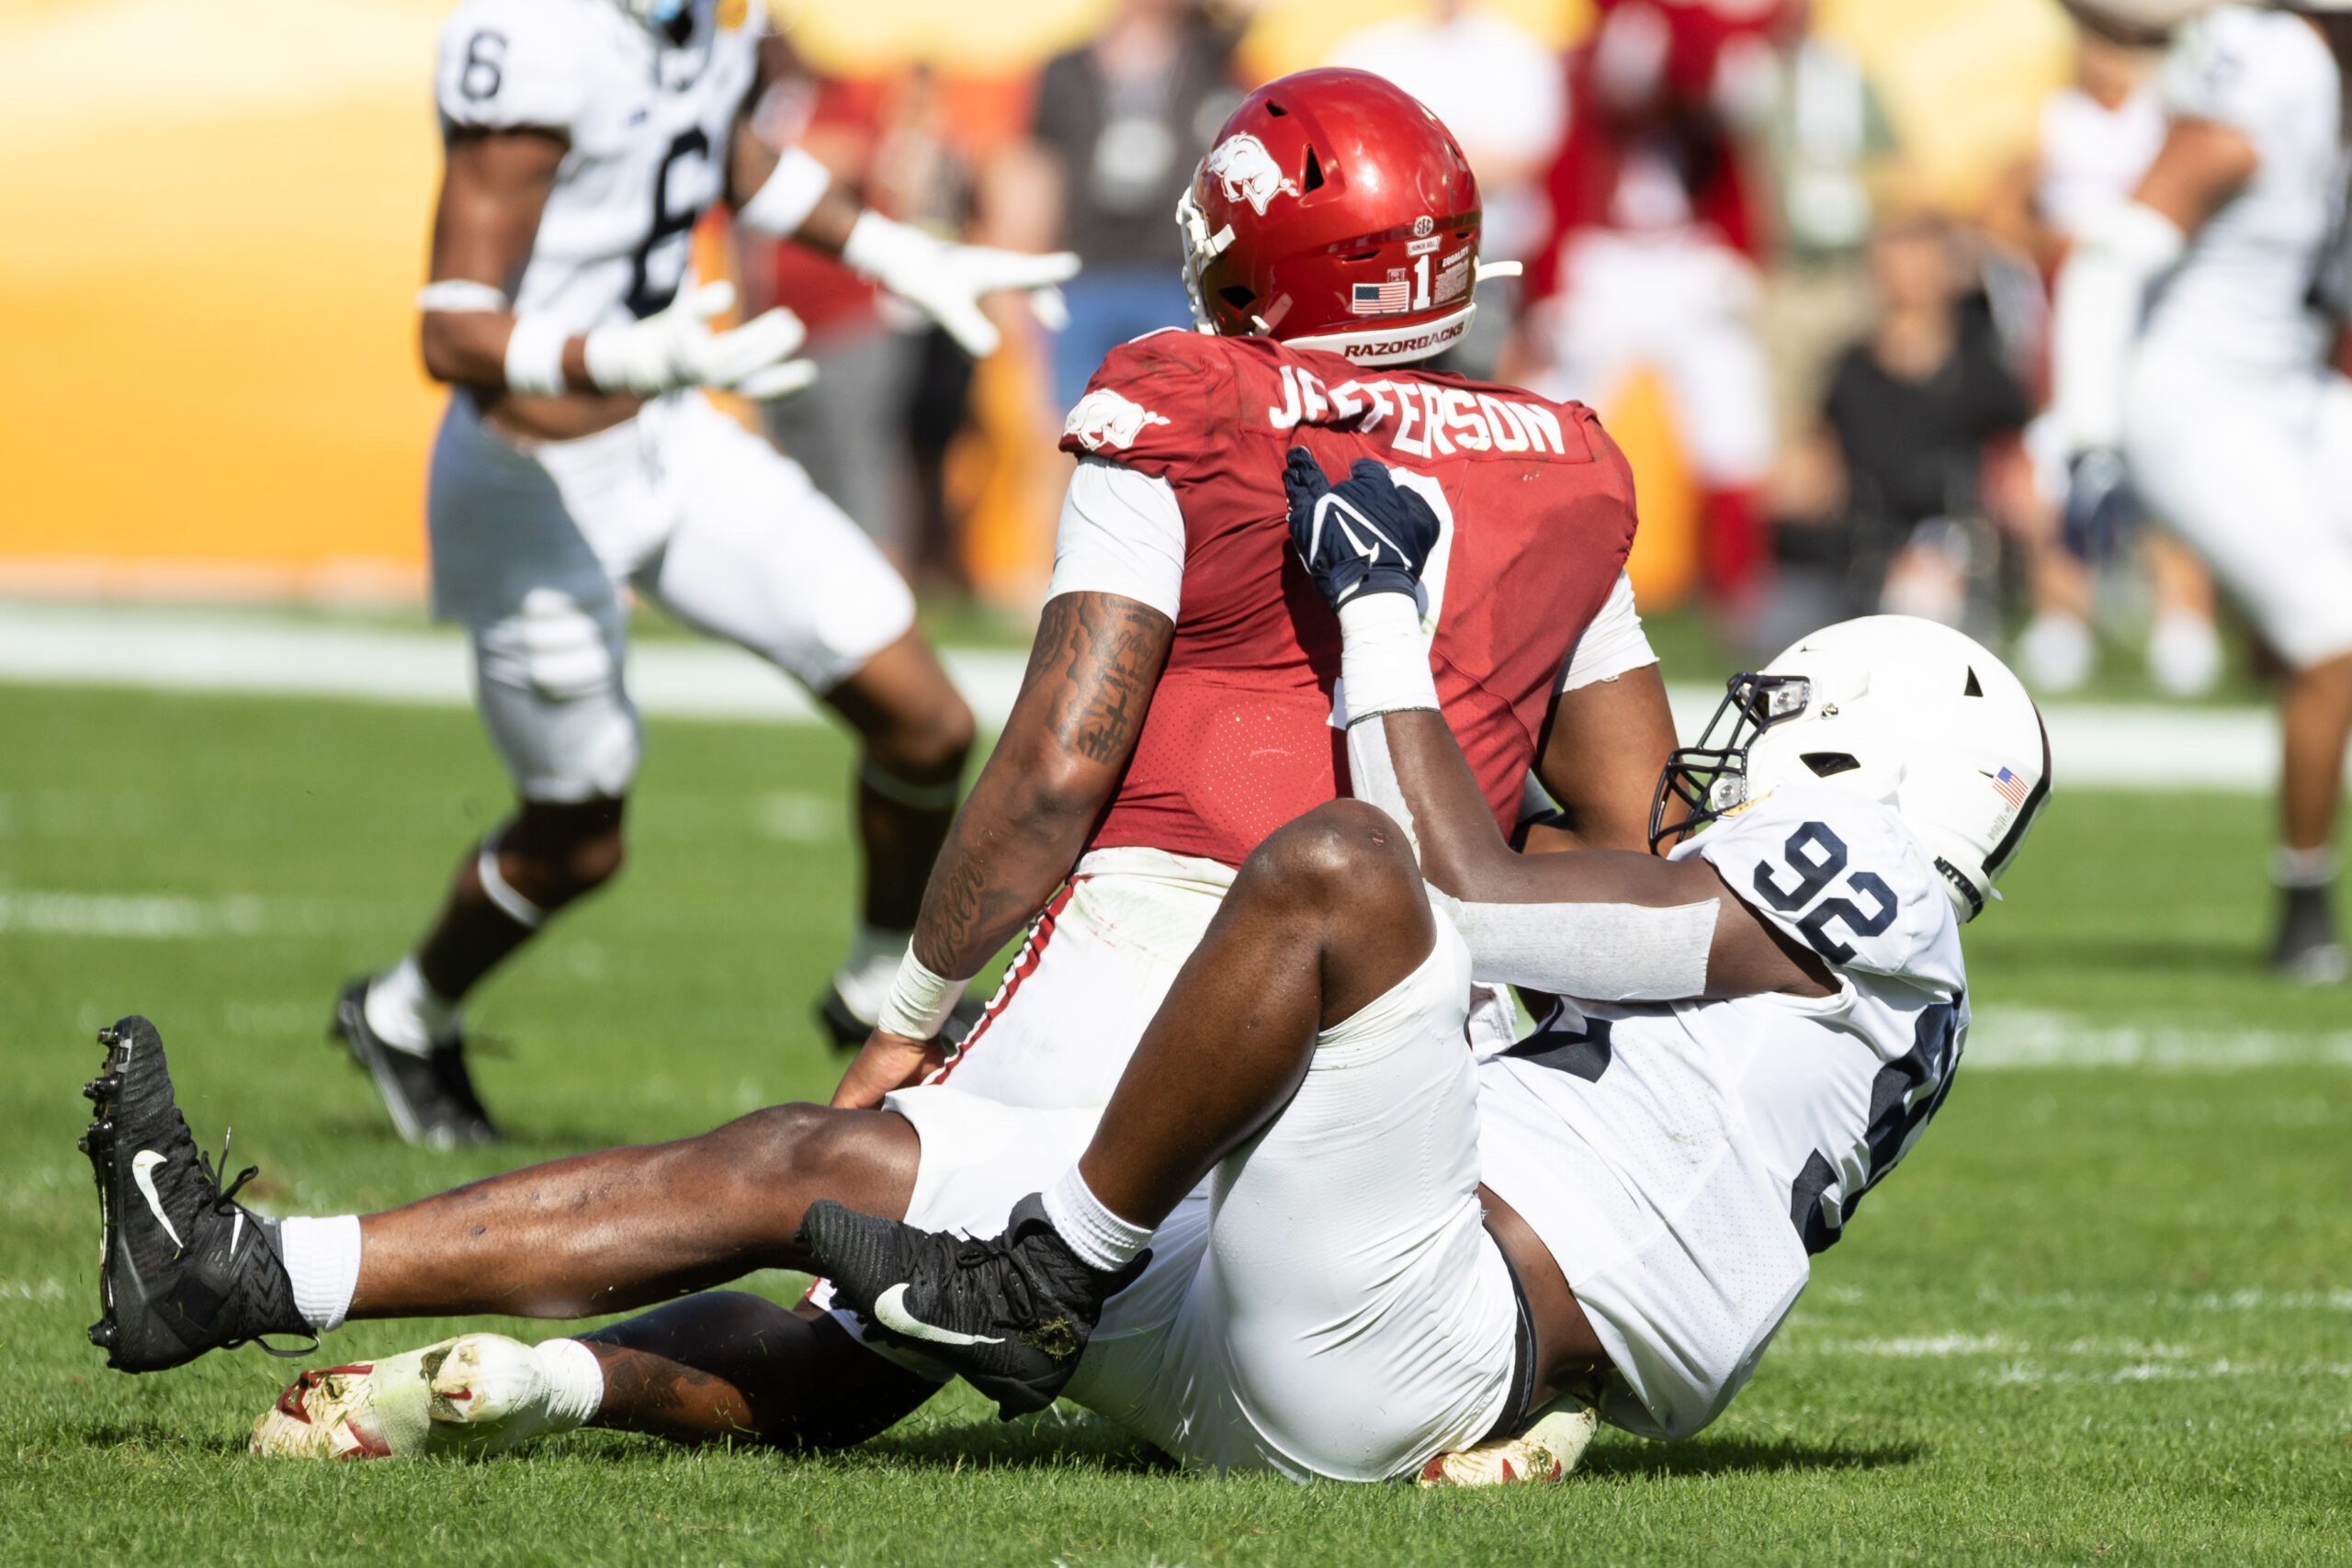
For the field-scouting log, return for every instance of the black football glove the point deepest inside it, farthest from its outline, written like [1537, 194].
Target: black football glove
[1360, 536]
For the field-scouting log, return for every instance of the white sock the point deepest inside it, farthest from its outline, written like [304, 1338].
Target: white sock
[2302, 868]
[1383, 661]
[575, 1382]
[864, 976]
[406, 1013]
[1098, 1236]
[322, 1260]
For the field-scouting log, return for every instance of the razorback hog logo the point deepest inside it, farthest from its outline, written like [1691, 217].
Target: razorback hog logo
[1103, 415]
[1247, 172]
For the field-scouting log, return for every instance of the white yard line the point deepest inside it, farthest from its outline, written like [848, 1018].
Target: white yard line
[2095, 745]
[2006, 1038]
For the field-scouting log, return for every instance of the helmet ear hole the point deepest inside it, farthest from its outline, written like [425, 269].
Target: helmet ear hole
[1827, 763]
[1237, 296]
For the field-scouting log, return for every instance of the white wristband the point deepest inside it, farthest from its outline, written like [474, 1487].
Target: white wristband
[534, 357]
[790, 195]
[461, 296]
[918, 1002]
[1384, 660]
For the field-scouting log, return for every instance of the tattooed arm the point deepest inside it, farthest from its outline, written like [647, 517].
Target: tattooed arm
[1089, 681]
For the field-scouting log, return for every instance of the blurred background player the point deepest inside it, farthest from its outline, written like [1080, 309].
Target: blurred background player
[2191, 340]
[1656, 231]
[1880, 505]
[1120, 125]
[578, 458]
[2097, 137]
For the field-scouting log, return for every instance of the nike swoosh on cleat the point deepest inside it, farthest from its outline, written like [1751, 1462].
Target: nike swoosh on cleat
[890, 1311]
[142, 1171]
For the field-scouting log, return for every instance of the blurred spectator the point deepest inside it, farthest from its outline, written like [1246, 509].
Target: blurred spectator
[1884, 511]
[1125, 121]
[869, 430]
[2099, 135]
[1828, 138]
[1651, 260]
[1500, 92]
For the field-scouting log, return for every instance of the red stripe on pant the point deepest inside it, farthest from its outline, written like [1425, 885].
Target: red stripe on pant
[1024, 963]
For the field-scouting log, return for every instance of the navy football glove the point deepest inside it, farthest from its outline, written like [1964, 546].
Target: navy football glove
[1362, 536]
[2101, 505]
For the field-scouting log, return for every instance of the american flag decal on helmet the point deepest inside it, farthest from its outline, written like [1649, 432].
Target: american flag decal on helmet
[2010, 787]
[1380, 298]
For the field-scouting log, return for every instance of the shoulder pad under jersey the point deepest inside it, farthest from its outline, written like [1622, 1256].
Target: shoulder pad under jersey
[1155, 403]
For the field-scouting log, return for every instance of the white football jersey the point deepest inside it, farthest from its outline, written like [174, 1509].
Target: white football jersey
[1683, 1160]
[2242, 292]
[649, 125]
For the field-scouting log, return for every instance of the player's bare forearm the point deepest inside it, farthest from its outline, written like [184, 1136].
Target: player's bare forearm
[493, 191]
[1091, 676]
[1600, 755]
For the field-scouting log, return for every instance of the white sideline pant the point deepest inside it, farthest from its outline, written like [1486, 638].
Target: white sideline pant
[1332, 1305]
[2252, 468]
[532, 544]
[1686, 307]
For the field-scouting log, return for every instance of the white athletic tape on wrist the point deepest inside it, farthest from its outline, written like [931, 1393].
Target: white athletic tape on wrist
[790, 195]
[534, 357]
[920, 1000]
[501, 892]
[916, 796]
[1622, 953]
[1383, 657]
[461, 296]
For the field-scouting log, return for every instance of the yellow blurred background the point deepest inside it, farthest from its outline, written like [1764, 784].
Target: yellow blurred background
[209, 382]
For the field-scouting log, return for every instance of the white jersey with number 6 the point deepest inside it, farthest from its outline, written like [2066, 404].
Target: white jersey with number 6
[647, 123]
[1683, 1161]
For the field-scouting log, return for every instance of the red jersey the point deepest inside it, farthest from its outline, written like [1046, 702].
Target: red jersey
[1240, 737]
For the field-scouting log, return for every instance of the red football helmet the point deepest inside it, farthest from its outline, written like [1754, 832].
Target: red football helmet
[1334, 212]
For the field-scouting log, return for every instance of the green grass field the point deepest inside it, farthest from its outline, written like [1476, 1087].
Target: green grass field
[2103, 1315]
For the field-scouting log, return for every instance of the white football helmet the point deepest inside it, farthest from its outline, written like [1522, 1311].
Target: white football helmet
[654, 12]
[2138, 21]
[1904, 711]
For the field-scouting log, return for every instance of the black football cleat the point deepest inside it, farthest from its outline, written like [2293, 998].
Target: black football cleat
[432, 1097]
[848, 1032]
[1012, 1315]
[2307, 950]
[184, 1268]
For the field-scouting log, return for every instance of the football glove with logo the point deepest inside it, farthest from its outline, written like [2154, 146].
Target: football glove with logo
[1362, 536]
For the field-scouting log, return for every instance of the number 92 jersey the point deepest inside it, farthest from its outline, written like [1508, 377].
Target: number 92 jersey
[1683, 1161]
[647, 125]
